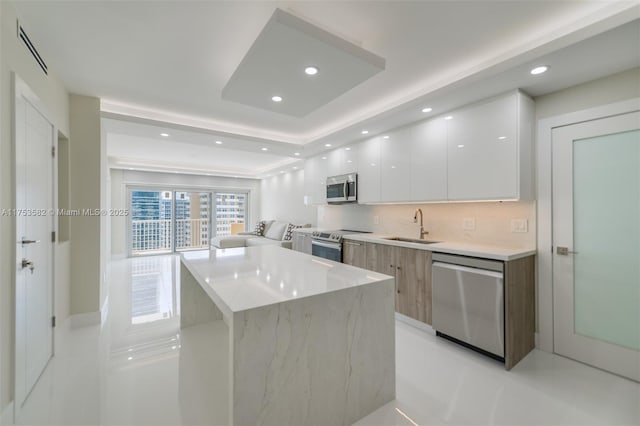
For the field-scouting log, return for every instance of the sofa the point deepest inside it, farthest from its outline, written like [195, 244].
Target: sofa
[267, 232]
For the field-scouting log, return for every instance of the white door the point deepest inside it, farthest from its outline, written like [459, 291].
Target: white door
[596, 243]
[34, 249]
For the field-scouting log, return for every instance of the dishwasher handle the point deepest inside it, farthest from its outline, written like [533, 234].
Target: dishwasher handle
[485, 272]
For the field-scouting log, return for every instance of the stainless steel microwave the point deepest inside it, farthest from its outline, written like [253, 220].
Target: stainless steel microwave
[342, 189]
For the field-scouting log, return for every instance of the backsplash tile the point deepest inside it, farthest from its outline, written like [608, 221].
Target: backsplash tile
[445, 221]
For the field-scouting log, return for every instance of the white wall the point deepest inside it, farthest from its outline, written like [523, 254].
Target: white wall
[282, 199]
[120, 179]
[444, 221]
[15, 58]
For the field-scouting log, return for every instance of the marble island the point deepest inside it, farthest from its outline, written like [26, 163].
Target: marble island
[311, 341]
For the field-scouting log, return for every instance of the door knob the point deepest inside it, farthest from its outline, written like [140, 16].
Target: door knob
[24, 241]
[28, 264]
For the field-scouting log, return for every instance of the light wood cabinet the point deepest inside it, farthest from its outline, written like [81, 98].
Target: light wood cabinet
[412, 271]
[354, 253]
[301, 241]
[413, 276]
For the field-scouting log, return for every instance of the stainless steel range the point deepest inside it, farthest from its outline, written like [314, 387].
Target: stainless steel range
[328, 244]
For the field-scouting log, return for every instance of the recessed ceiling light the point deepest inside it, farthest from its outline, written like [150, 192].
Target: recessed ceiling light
[427, 109]
[324, 158]
[296, 154]
[311, 70]
[219, 142]
[448, 117]
[373, 164]
[295, 168]
[265, 149]
[460, 146]
[539, 70]
[502, 137]
[364, 132]
[164, 135]
[327, 145]
[385, 137]
[276, 98]
[349, 161]
[347, 149]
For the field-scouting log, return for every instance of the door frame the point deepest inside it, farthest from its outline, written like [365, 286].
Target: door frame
[19, 88]
[544, 314]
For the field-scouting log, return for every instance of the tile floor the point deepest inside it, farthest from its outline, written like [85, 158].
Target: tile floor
[139, 368]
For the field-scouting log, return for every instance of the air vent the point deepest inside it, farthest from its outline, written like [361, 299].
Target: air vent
[22, 35]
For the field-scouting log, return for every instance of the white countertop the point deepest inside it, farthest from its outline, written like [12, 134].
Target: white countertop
[451, 247]
[249, 277]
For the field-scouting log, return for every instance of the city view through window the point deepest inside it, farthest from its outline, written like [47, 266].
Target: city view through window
[167, 221]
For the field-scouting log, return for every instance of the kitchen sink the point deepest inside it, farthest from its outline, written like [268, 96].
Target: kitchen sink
[411, 240]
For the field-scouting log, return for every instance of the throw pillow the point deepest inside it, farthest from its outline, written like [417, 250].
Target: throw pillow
[289, 233]
[276, 231]
[259, 229]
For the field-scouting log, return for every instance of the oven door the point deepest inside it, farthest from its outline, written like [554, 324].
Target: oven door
[327, 250]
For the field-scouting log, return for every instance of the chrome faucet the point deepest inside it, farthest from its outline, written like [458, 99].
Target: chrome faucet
[415, 220]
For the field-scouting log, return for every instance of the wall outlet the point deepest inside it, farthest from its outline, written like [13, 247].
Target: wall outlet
[469, 223]
[376, 220]
[519, 225]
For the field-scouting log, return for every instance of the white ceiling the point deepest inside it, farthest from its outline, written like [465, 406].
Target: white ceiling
[275, 66]
[179, 55]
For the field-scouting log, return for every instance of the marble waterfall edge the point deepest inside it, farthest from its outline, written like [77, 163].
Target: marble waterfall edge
[327, 359]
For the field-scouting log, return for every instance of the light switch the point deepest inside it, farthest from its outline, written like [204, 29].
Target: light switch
[519, 225]
[469, 223]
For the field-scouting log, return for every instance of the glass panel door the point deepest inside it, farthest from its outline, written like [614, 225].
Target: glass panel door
[192, 220]
[151, 222]
[596, 233]
[231, 208]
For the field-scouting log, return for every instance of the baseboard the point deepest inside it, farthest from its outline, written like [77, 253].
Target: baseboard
[84, 320]
[6, 417]
[415, 323]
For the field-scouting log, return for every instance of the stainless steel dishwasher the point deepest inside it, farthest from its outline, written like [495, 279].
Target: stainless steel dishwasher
[468, 302]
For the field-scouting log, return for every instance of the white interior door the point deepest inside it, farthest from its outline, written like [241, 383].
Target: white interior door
[596, 243]
[34, 249]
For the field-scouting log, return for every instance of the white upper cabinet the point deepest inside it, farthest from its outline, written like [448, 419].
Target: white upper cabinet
[342, 160]
[428, 152]
[351, 157]
[315, 175]
[489, 150]
[368, 158]
[335, 162]
[483, 152]
[395, 165]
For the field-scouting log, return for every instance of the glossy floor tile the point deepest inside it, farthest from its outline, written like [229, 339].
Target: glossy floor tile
[139, 368]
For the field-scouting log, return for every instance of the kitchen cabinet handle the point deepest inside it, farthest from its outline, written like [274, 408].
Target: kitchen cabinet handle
[397, 267]
[351, 244]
